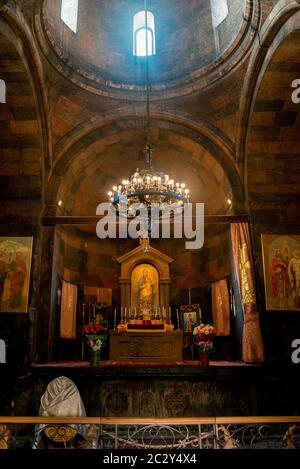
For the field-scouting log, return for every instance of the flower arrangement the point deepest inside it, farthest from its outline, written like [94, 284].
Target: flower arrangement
[204, 337]
[96, 334]
[95, 328]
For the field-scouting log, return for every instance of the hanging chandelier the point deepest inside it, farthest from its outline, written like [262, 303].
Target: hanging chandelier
[149, 186]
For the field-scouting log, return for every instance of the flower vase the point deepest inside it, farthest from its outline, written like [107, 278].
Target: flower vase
[203, 359]
[95, 358]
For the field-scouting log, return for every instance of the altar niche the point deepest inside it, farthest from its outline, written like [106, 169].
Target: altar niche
[145, 332]
[145, 283]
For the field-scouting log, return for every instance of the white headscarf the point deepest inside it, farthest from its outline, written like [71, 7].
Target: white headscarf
[62, 399]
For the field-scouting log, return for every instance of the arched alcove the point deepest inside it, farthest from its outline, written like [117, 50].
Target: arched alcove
[90, 161]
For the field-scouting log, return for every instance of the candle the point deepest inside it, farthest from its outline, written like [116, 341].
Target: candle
[115, 319]
[58, 296]
[82, 340]
[83, 313]
[125, 314]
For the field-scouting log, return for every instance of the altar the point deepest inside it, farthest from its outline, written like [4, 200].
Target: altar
[147, 346]
[145, 331]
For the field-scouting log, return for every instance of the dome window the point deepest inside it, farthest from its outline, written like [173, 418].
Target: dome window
[143, 34]
[2, 92]
[219, 11]
[69, 13]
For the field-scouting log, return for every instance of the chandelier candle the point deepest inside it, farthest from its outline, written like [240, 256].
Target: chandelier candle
[147, 187]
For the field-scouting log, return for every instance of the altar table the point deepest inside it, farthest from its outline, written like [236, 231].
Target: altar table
[147, 346]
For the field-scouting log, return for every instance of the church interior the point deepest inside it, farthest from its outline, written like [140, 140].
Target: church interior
[104, 106]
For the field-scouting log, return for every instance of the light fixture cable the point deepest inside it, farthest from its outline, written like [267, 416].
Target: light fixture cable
[148, 186]
[149, 146]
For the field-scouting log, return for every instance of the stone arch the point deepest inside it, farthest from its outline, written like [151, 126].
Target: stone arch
[14, 26]
[281, 21]
[270, 131]
[109, 126]
[22, 148]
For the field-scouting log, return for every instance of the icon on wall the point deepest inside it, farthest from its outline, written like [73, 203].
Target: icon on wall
[281, 265]
[15, 266]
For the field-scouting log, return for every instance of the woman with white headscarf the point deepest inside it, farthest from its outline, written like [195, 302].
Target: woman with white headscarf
[61, 399]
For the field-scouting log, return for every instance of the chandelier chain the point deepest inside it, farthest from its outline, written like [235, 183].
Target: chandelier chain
[147, 186]
[148, 150]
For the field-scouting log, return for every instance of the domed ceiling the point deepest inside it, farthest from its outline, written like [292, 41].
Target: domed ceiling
[100, 54]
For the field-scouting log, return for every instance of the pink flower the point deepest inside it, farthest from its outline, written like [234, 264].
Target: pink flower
[204, 336]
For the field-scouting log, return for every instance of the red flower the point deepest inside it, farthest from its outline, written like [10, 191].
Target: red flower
[94, 328]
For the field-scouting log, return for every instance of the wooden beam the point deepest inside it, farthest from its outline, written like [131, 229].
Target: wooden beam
[151, 421]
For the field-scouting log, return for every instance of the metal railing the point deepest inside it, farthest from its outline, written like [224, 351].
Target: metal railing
[150, 433]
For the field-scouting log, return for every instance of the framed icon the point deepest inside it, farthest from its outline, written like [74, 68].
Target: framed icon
[190, 317]
[281, 268]
[15, 267]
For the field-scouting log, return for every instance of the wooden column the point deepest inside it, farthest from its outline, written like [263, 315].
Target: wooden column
[161, 295]
[125, 292]
[128, 292]
[47, 315]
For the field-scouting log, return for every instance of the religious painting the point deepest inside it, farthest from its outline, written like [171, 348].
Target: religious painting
[144, 289]
[281, 265]
[190, 317]
[15, 266]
